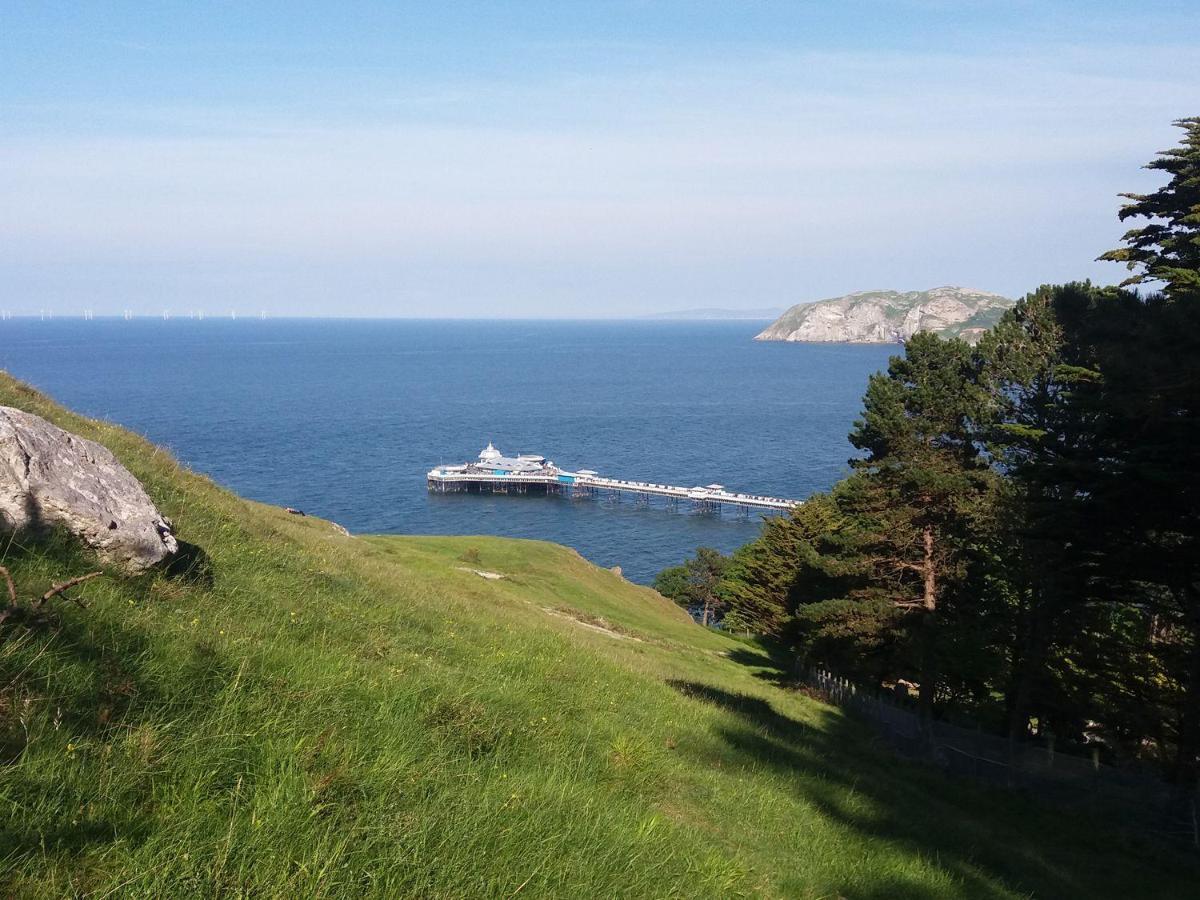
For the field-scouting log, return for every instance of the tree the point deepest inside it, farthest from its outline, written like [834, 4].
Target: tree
[1153, 423]
[697, 583]
[919, 490]
[1034, 366]
[769, 578]
[704, 573]
[862, 639]
[672, 583]
[1167, 248]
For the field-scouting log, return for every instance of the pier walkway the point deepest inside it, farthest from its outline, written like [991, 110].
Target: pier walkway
[494, 473]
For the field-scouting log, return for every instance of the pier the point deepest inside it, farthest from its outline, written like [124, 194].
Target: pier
[528, 474]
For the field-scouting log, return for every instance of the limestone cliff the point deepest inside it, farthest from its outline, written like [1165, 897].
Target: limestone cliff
[878, 317]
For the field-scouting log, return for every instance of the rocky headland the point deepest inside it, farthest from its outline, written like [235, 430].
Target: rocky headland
[882, 317]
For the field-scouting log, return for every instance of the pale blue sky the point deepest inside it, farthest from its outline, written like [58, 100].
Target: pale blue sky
[570, 159]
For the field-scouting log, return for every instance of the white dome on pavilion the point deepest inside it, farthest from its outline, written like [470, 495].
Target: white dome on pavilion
[489, 453]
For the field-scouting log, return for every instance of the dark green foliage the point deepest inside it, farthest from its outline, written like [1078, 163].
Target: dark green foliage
[920, 495]
[866, 637]
[697, 584]
[672, 583]
[1167, 247]
[769, 578]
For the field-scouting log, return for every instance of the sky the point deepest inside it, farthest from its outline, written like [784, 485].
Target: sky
[564, 159]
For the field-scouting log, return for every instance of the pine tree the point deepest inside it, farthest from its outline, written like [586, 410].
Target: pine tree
[1042, 370]
[698, 583]
[920, 488]
[1167, 248]
[704, 575]
[782, 569]
[1153, 421]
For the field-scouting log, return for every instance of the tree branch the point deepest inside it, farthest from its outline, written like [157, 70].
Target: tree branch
[66, 585]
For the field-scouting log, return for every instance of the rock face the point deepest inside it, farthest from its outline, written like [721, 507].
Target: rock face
[881, 317]
[50, 477]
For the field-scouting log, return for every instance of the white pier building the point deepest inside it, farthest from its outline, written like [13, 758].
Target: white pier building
[529, 473]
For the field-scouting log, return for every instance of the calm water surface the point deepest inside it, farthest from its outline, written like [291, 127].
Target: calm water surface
[343, 418]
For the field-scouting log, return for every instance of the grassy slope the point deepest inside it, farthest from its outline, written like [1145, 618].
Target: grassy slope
[340, 716]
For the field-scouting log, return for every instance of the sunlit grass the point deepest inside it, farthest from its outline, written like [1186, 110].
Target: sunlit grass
[336, 716]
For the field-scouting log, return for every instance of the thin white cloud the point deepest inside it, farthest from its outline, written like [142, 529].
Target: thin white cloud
[751, 183]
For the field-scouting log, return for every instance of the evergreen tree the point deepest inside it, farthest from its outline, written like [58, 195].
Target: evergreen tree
[697, 583]
[1153, 434]
[1167, 248]
[672, 583]
[1036, 370]
[920, 489]
[704, 575]
[769, 578]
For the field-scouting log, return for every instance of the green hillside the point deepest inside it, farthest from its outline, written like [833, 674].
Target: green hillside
[307, 714]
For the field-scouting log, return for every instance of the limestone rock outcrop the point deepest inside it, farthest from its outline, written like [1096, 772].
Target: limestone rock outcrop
[880, 317]
[50, 477]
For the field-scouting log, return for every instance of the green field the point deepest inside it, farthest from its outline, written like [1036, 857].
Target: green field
[316, 715]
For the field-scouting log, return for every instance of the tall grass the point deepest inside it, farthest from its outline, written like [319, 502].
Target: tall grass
[307, 714]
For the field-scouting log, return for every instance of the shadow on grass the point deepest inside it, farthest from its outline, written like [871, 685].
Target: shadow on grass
[754, 710]
[87, 676]
[774, 662]
[990, 843]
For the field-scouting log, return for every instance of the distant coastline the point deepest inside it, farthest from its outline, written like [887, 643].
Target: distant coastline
[715, 313]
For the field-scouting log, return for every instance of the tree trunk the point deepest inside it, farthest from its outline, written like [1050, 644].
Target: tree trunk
[929, 597]
[706, 608]
[929, 667]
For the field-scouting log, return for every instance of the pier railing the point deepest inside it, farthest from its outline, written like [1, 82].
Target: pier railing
[684, 493]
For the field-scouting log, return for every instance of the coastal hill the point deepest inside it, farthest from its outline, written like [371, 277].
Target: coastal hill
[296, 712]
[879, 317]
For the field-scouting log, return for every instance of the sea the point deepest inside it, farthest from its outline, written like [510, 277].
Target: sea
[342, 418]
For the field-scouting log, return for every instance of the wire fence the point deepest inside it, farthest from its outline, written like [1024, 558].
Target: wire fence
[1129, 797]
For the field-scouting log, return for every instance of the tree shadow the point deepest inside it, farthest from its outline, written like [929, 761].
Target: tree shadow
[755, 710]
[989, 841]
[770, 661]
[73, 837]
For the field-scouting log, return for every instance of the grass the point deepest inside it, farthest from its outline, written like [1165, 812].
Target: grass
[313, 715]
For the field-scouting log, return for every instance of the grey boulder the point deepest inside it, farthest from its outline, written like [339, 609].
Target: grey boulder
[50, 477]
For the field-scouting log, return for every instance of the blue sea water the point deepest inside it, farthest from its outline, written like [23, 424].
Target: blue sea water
[343, 418]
